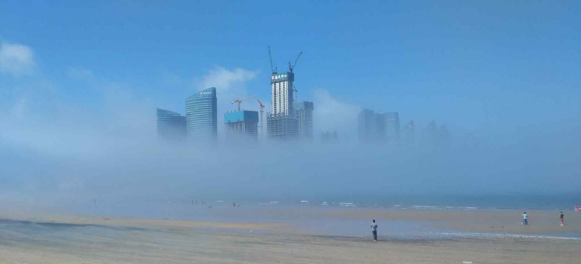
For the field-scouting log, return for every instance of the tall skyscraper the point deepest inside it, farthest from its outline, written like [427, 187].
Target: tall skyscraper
[429, 138]
[282, 122]
[242, 124]
[392, 128]
[368, 126]
[170, 125]
[375, 127]
[282, 87]
[202, 116]
[304, 112]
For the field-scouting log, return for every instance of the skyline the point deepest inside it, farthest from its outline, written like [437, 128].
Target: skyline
[483, 73]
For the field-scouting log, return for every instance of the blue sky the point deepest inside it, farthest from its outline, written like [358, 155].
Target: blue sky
[477, 66]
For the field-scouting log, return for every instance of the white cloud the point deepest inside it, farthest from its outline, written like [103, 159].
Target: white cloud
[333, 115]
[227, 80]
[16, 59]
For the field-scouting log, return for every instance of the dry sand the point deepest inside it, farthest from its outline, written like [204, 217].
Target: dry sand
[68, 239]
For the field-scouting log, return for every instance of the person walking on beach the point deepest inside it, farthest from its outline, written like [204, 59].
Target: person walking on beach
[561, 218]
[577, 208]
[525, 220]
[374, 230]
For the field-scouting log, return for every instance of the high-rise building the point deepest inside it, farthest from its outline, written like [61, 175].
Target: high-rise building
[170, 125]
[436, 138]
[392, 128]
[375, 127]
[282, 126]
[202, 116]
[242, 124]
[282, 87]
[368, 126]
[429, 138]
[282, 122]
[304, 112]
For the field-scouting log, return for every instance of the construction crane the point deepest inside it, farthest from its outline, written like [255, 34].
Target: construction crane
[272, 68]
[241, 100]
[291, 67]
[261, 117]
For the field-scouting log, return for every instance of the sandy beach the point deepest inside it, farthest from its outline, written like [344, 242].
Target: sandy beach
[82, 239]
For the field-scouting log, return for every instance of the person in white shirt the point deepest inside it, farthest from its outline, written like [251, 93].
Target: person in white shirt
[374, 230]
[525, 220]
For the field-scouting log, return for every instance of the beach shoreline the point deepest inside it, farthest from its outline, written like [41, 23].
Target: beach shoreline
[60, 238]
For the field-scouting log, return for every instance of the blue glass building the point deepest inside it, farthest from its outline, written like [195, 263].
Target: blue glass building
[202, 116]
[369, 126]
[170, 125]
[304, 112]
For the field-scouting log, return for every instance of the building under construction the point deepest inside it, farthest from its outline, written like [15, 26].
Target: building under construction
[242, 124]
[283, 122]
[282, 126]
[304, 113]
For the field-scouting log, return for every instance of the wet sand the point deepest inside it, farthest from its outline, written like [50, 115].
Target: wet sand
[74, 239]
[489, 221]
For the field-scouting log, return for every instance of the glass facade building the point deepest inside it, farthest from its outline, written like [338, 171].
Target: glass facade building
[304, 112]
[202, 116]
[170, 125]
[368, 126]
[392, 127]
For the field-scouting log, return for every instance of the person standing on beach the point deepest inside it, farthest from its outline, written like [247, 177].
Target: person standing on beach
[561, 218]
[374, 230]
[525, 220]
[577, 208]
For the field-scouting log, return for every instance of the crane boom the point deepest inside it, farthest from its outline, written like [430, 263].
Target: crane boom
[272, 69]
[290, 68]
[261, 117]
[241, 100]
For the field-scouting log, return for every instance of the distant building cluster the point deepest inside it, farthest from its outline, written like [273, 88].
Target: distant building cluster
[384, 128]
[288, 120]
